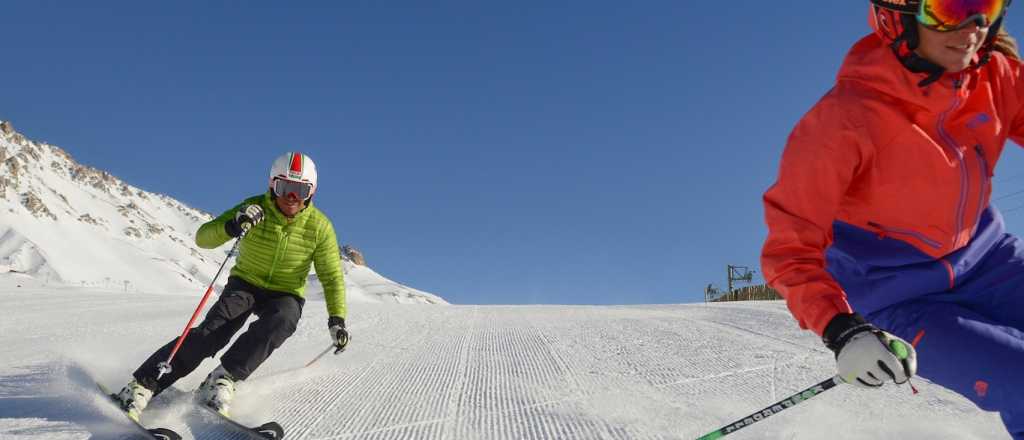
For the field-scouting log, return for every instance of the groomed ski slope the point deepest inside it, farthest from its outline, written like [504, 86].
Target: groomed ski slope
[464, 372]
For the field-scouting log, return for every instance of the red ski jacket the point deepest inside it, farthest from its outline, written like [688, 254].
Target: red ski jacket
[884, 186]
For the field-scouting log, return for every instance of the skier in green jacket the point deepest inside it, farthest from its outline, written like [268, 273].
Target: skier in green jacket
[282, 235]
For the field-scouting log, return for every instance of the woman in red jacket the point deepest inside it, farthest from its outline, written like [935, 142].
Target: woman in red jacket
[880, 226]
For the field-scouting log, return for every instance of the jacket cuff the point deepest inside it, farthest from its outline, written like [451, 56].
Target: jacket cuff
[232, 229]
[818, 316]
[841, 328]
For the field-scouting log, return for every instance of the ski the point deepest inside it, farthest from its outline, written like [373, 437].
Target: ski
[269, 430]
[151, 433]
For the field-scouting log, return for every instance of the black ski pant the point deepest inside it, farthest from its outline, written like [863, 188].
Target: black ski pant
[278, 314]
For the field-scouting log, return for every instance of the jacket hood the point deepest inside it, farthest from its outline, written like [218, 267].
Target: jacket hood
[873, 64]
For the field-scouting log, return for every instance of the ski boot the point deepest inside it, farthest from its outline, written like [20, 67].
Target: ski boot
[133, 398]
[217, 391]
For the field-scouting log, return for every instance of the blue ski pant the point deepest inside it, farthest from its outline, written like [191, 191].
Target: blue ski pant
[969, 338]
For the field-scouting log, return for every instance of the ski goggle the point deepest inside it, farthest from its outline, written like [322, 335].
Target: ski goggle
[302, 190]
[950, 15]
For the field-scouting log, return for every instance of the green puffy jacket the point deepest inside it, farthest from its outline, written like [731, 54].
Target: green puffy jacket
[276, 254]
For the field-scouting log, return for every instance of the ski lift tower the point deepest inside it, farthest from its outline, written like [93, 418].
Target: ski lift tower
[738, 273]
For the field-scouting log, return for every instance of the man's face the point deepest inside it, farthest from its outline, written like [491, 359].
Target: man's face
[289, 204]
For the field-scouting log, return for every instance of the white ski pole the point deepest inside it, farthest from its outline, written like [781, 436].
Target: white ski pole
[773, 409]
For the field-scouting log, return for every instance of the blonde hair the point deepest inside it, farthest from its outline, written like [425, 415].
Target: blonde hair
[1006, 44]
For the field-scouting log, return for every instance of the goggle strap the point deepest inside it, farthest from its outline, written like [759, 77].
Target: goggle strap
[908, 7]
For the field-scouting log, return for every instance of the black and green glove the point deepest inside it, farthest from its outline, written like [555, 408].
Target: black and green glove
[339, 335]
[866, 355]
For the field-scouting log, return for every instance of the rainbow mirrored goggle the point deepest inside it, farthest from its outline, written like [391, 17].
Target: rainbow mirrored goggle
[301, 190]
[949, 15]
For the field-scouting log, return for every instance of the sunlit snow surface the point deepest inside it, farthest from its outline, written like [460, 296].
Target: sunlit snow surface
[452, 372]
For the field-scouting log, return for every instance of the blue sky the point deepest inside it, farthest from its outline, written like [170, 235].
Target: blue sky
[516, 152]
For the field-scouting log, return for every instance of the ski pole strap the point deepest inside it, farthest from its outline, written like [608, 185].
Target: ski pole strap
[773, 409]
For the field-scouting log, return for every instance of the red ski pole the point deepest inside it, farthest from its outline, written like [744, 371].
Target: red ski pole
[165, 366]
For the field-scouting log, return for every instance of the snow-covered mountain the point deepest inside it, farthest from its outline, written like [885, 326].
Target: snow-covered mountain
[67, 224]
[363, 284]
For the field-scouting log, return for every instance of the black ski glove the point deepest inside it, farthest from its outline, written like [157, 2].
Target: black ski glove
[867, 356]
[245, 218]
[339, 335]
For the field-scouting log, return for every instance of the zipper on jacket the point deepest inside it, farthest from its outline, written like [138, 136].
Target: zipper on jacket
[899, 231]
[282, 247]
[983, 166]
[950, 143]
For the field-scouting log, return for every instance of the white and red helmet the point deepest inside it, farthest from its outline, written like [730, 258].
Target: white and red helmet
[294, 167]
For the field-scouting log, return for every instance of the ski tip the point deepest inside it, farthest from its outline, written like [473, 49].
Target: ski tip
[270, 430]
[164, 434]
